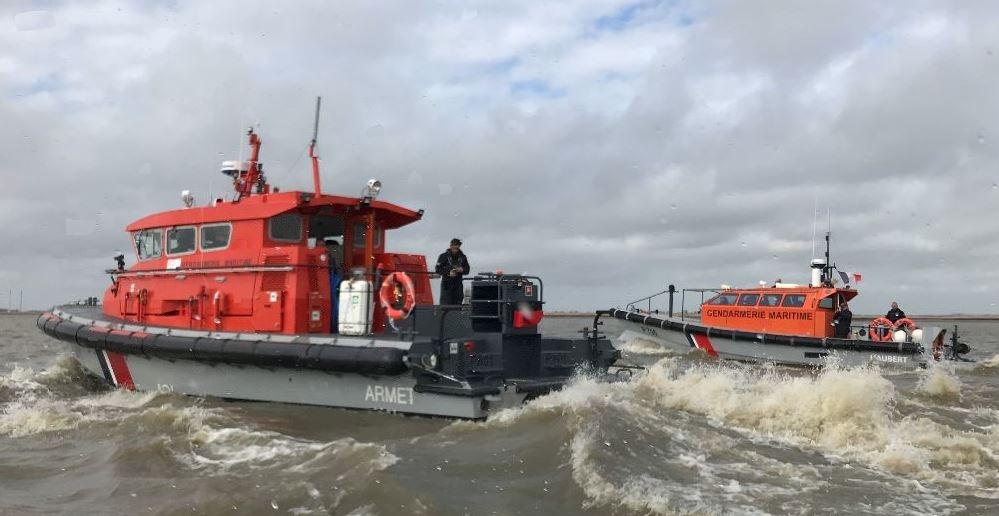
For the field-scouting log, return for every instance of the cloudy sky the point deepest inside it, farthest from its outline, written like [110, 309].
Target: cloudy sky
[611, 147]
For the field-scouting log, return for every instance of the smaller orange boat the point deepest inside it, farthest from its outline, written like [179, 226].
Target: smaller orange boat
[788, 324]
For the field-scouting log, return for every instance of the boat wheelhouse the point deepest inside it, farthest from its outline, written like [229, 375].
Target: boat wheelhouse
[259, 264]
[786, 309]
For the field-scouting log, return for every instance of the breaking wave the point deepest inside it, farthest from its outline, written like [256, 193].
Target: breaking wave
[990, 363]
[842, 414]
[640, 346]
[175, 432]
[939, 380]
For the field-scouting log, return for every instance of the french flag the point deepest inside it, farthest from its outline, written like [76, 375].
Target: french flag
[846, 277]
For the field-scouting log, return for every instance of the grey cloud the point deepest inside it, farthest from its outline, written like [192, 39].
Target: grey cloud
[657, 151]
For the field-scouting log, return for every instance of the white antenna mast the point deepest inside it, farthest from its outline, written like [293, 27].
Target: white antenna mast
[815, 222]
[239, 153]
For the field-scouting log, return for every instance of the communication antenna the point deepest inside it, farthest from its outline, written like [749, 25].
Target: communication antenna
[312, 149]
[829, 264]
[815, 222]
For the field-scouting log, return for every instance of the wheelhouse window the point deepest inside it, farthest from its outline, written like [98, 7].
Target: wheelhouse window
[181, 240]
[826, 302]
[794, 300]
[323, 226]
[286, 227]
[748, 299]
[215, 236]
[148, 244]
[360, 233]
[770, 299]
[723, 299]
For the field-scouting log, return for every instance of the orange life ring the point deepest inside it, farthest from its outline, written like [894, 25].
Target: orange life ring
[905, 324]
[397, 285]
[881, 330]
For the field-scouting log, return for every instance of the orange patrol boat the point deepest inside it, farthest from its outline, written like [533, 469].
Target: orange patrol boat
[788, 324]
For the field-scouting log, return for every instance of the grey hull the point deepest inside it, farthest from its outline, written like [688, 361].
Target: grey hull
[684, 336]
[468, 375]
[285, 385]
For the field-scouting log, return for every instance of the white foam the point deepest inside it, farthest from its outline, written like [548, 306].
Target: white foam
[990, 363]
[640, 346]
[21, 419]
[940, 381]
[641, 493]
[846, 413]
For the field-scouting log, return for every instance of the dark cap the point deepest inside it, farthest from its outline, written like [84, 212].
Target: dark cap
[455, 241]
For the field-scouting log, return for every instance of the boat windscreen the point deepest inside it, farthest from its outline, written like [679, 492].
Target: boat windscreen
[794, 300]
[771, 299]
[722, 299]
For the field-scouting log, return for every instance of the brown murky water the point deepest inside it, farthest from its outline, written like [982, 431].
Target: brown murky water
[689, 436]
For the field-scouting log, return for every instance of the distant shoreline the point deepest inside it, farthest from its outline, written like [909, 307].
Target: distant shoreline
[935, 317]
[573, 313]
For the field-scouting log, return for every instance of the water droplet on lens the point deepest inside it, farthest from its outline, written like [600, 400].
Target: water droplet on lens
[981, 138]
[995, 186]
[672, 206]
[775, 257]
[743, 244]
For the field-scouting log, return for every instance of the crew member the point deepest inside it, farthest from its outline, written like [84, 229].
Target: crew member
[452, 265]
[841, 321]
[895, 313]
[334, 255]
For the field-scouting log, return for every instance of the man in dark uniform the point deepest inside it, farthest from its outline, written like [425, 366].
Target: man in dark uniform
[841, 321]
[452, 265]
[895, 313]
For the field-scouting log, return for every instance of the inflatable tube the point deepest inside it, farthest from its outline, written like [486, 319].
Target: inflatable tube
[325, 357]
[770, 338]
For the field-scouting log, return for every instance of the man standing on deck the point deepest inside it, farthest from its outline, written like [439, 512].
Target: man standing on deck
[895, 313]
[452, 265]
[841, 321]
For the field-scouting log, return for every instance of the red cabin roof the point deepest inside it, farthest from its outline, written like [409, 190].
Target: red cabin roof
[262, 206]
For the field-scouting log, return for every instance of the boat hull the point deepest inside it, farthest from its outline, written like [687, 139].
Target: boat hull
[285, 385]
[303, 370]
[683, 336]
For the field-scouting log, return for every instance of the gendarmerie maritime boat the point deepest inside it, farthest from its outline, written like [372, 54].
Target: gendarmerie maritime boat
[242, 299]
[788, 324]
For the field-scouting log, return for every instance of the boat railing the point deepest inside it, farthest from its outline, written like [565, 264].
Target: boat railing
[671, 292]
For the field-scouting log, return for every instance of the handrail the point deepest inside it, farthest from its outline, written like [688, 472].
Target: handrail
[683, 298]
[646, 298]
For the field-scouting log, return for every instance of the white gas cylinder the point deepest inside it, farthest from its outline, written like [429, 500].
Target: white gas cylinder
[917, 335]
[899, 336]
[356, 307]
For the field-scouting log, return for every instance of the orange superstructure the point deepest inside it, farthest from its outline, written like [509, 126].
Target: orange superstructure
[782, 309]
[257, 262]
